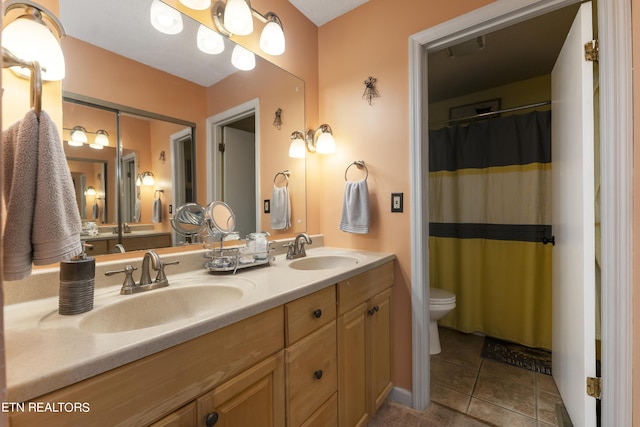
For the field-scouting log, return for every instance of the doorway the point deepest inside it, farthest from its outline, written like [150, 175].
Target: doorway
[616, 169]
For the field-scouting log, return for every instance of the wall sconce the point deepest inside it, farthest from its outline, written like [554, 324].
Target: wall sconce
[146, 178]
[90, 191]
[79, 137]
[243, 59]
[319, 141]
[209, 41]
[236, 17]
[29, 38]
[164, 18]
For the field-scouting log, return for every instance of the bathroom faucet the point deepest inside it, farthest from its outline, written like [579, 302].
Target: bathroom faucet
[129, 286]
[296, 248]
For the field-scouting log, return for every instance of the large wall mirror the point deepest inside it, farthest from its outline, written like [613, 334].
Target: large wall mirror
[203, 130]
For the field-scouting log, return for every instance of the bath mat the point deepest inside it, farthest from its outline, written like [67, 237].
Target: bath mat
[533, 359]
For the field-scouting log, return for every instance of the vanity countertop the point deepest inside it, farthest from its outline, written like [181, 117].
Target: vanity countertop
[46, 351]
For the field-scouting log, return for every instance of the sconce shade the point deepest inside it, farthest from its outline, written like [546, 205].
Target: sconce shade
[78, 136]
[209, 41]
[243, 59]
[29, 38]
[164, 18]
[237, 17]
[102, 137]
[196, 4]
[148, 179]
[272, 36]
[298, 147]
[96, 146]
[325, 144]
[90, 191]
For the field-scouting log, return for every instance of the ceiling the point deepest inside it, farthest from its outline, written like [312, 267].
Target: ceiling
[519, 52]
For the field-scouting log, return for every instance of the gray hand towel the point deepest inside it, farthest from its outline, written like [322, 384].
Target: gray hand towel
[280, 216]
[355, 208]
[95, 210]
[156, 215]
[42, 219]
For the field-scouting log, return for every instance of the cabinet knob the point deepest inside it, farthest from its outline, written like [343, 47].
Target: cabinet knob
[317, 314]
[318, 374]
[373, 310]
[211, 419]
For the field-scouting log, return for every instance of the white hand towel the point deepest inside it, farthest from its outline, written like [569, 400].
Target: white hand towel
[156, 215]
[280, 208]
[42, 220]
[137, 211]
[355, 208]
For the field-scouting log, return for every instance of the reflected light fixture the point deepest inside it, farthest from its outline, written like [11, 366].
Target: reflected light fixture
[164, 18]
[102, 138]
[90, 191]
[29, 38]
[243, 59]
[147, 178]
[196, 4]
[209, 41]
[272, 36]
[78, 136]
[319, 141]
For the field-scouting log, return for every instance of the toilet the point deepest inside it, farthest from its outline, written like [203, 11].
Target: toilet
[441, 302]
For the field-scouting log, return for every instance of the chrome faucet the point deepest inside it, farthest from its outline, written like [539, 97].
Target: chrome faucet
[296, 248]
[146, 284]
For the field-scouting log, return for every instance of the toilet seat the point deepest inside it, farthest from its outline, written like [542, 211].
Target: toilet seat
[440, 297]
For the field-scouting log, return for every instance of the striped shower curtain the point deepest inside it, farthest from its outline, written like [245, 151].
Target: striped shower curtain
[489, 210]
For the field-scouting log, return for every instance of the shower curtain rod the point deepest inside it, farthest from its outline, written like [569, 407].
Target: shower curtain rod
[492, 113]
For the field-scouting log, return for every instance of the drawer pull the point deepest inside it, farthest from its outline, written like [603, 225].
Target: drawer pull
[211, 419]
[317, 314]
[373, 310]
[318, 374]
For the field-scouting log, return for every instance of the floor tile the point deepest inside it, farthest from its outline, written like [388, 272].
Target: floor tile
[524, 377]
[515, 395]
[454, 337]
[453, 376]
[440, 416]
[450, 398]
[546, 383]
[499, 415]
[546, 404]
[461, 355]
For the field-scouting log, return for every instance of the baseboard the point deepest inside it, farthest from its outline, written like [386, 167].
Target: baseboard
[401, 396]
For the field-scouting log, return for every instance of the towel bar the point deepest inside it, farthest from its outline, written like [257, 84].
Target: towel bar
[360, 165]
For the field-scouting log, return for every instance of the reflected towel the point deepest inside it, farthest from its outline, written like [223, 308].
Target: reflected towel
[136, 212]
[156, 215]
[95, 211]
[42, 217]
[280, 208]
[355, 208]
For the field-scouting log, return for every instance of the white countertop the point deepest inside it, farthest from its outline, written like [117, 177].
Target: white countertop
[46, 351]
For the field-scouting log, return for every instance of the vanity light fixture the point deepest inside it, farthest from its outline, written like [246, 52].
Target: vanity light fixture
[319, 141]
[236, 17]
[196, 4]
[90, 191]
[164, 18]
[209, 41]
[243, 59]
[34, 36]
[102, 138]
[147, 178]
[78, 136]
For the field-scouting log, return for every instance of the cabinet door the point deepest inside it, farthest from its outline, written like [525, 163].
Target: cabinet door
[353, 362]
[183, 417]
[379, 313]
[253, 398]
[326, 415]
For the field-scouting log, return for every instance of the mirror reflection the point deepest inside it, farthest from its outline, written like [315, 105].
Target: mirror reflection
[171, 124]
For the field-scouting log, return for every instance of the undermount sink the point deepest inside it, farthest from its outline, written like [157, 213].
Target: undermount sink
[323, 262]
[158, 307]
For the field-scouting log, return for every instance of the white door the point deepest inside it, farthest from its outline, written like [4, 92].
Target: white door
[239, 181]
[573, 222]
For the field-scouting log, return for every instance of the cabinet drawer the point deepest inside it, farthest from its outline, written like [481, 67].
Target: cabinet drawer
[326, 415]
[311, 372]
[360, 288]
[98, 247]
[183, 417]
[309, 313]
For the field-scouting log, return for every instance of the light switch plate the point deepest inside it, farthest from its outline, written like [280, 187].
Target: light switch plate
[267, 206]
[397, 202]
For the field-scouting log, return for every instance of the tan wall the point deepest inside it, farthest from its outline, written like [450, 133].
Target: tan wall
[635, 19]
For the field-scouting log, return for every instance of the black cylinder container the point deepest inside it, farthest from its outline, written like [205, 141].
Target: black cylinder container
[77, 282]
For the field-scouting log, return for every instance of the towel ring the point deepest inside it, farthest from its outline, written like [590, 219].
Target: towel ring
[155, 194]
[286, 177]
[360, 165]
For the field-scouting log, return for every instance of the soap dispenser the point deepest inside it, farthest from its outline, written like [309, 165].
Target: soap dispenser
[77, 282]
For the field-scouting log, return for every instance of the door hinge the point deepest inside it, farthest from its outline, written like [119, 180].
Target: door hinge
[591, 51]
[221, 147]
[594, 387]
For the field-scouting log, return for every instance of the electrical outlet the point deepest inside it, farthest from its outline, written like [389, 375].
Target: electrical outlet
[397, 202]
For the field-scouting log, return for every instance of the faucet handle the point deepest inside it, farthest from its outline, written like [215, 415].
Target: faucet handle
[291, 251]
[128, 283]
[161, 275]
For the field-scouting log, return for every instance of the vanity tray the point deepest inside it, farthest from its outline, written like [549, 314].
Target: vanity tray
[233, 259]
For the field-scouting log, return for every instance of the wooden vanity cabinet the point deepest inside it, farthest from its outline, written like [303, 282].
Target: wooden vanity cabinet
[183, 417]
[311, 359]
[364, 344]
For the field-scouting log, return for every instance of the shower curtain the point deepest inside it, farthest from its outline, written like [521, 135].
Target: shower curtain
[489, 210]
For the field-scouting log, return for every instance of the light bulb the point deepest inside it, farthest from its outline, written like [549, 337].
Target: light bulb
[102, 137]
[237, 17]
[209, 41]
[325, 144]
[272, 37]
[297, 149]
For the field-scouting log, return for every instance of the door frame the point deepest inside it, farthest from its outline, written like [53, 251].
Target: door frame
[214, 137]
[616, 125]
[178, 194]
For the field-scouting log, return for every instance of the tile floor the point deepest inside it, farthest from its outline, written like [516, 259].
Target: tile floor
[467, 390]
